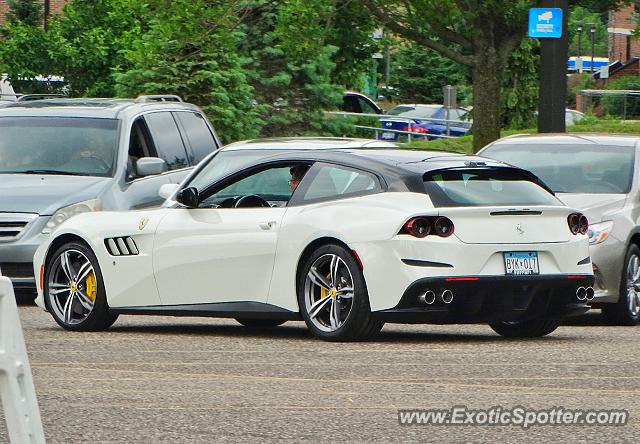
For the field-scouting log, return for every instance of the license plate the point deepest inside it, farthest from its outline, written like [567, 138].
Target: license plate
[388, 136]
[521, 263]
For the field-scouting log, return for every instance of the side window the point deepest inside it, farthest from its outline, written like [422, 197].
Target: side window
[366, 107]
[272, 185]
[350, 104]
[198, 135]
[139, 145]
[168, 141]
[335, 182]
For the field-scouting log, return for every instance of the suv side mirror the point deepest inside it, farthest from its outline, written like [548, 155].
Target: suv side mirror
[149, 166]
[188, 197]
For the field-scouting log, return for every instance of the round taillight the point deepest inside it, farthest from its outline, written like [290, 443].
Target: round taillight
[583, 224]
[418, 226]
[443, 227]
[574, 223]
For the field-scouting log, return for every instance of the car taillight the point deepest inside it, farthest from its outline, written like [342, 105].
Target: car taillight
[415, 129]
[422, 226]
[578, 223]
[443, 227]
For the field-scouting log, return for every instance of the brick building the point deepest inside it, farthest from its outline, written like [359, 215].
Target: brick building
[624, 49]
[49, 6]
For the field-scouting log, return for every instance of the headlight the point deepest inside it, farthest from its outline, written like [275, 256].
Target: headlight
[599, 232]
[66, 212]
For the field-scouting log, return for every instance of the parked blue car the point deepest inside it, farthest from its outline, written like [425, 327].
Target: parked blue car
[424, 119]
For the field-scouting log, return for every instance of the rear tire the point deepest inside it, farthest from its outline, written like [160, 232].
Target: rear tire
[627, 310]
[533, 328]
[260, 323]
[333, 297]
[74, 291]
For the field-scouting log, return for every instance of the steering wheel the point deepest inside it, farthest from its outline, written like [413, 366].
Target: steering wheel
[251, 201]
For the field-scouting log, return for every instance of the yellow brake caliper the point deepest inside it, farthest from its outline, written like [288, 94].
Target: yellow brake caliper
[92, 287]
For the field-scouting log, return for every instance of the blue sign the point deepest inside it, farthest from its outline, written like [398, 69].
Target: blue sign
[545, 23]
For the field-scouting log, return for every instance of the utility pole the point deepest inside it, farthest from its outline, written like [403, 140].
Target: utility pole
[553, 75]
[592, 31]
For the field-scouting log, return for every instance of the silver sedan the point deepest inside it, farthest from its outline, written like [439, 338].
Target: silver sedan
[596, 175]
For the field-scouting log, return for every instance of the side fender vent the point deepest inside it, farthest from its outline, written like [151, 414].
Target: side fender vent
[121, 246]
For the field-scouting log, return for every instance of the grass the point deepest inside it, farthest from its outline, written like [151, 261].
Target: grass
[465, 144]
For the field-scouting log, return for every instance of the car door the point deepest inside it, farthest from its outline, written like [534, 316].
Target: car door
[219, 252]
[140, 192]
[169, 144]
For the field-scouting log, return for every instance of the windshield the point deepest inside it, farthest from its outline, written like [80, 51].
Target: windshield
[421, 112]
[224, 163]
[56, 145]
[592, 169]
[484, 187]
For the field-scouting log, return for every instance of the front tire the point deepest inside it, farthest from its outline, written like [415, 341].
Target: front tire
[333, 297]
[74, 291]
[532, 328]
[627, 310]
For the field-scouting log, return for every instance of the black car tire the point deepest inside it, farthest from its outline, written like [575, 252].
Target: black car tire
[100, 317]
[359, 324]
[620, 313]
[532, 328]
[260, 323]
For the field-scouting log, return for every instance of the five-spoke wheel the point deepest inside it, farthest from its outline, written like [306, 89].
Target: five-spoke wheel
[74, 291]
[333, 296]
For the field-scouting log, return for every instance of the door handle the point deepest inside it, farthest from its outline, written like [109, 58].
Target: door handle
[267, 225]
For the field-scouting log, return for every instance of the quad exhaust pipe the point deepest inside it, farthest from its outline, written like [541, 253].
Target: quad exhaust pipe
[429, 297]
[446, 296]
[585, 293]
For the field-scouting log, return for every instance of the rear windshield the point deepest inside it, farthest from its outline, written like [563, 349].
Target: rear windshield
[58, 145]
[595, 169]
[485, 187]
[422, 112]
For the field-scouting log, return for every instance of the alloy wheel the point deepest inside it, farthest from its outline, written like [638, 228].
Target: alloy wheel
[328, 292]
[633, 285]
[72, 287]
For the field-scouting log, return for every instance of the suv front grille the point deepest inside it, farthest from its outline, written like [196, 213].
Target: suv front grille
[12, 224]
[121, 246]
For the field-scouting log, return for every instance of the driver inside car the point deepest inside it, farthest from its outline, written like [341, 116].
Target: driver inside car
[297, 173]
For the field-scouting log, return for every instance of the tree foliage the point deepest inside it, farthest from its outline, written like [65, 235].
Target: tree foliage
[481, 34]
[28, 12]
[190, 50]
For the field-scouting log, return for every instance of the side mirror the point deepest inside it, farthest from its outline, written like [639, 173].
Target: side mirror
[167, 190]
[188, 197]
[149, 166]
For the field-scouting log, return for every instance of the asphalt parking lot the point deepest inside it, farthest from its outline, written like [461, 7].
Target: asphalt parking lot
[154, 379]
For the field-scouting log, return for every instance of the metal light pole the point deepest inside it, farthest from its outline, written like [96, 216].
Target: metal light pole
[579, 59]
[592, 31]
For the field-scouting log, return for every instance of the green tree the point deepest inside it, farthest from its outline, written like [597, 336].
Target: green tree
[481, 34]
[29, 12]
[419, 73]
[92, 37]
[190, 50]
[292, 64]
[581, 16]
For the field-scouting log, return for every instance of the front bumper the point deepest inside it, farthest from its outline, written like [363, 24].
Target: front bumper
[16, 256]
[490, 299]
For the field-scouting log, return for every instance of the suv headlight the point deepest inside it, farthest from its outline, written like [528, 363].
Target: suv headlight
[69, 211]
[598, 233]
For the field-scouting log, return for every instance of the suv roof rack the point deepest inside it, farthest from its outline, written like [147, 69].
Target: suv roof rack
[29, 97]
[158, 98]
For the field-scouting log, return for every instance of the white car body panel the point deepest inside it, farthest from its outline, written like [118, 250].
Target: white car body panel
[223, 255]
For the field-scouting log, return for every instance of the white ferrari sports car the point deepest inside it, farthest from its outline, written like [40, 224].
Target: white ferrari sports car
[344, 239]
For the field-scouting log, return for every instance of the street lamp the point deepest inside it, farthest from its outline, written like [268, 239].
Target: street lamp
[592, 31]
[579, 30]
